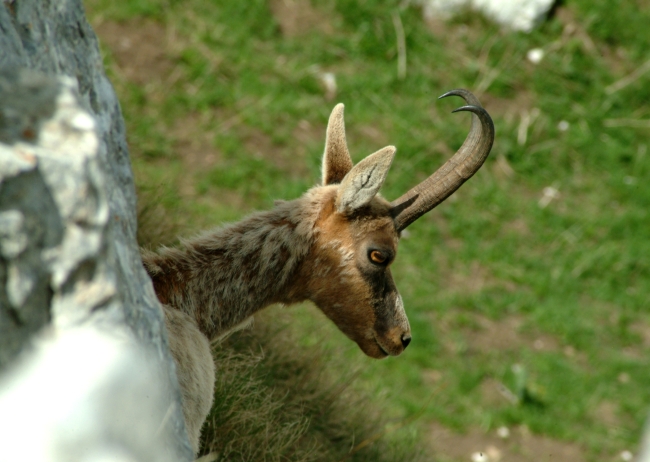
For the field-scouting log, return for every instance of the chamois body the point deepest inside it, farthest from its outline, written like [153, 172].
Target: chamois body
[333, 246]
[216, 281]
[222, 277]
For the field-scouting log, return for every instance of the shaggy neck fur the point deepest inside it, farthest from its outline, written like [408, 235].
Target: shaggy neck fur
[224, 276]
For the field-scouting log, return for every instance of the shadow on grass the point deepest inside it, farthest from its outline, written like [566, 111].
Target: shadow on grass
[278, 400]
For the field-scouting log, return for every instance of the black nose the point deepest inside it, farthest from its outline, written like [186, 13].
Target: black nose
[406, 339]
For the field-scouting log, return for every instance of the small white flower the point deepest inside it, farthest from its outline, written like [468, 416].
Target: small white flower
[548, 194]
[535, 55]
[480, 457]
[626, 455]
[329, 82]
[563, 125]
[503, 432]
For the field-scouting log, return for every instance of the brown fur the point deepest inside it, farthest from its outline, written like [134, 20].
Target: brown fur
[313, 248]
[194, 368]
[337, 158]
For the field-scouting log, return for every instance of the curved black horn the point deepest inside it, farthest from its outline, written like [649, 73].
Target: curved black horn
[448, 178]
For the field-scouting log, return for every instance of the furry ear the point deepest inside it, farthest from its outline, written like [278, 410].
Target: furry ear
[336, 160]
[362, 183]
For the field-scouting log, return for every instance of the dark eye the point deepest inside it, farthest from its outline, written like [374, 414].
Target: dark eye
[377, 257]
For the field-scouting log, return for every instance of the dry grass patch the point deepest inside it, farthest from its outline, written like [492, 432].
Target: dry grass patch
[297, 18]
[506, 334]
[472, 277]
[139, 47]
[276, 400]
[193, 141]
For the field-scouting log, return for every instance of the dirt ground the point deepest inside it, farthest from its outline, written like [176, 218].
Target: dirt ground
[502, 445]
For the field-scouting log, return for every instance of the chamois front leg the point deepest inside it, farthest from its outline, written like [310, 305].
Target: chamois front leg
[194, 369]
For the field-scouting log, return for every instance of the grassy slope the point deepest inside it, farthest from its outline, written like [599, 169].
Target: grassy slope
[492, 262]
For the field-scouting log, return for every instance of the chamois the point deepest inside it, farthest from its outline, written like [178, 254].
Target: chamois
[333, 246]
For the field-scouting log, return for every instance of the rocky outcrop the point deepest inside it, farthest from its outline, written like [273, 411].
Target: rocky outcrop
[68, 253]
[85, 394]
[518, 15]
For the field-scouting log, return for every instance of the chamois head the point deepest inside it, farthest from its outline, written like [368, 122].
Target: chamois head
[357, 231]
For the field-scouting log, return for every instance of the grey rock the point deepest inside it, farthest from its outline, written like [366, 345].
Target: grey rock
[96, 387]
[58, 268]
[68, 252]
[644, 451]
[518, 15]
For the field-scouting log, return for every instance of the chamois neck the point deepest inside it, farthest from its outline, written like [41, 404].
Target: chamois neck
[222, 277]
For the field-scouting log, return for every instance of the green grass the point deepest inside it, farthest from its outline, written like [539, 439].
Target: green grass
[575, 271]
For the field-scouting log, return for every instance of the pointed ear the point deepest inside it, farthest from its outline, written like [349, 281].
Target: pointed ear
[336, 160]
[362, 183]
